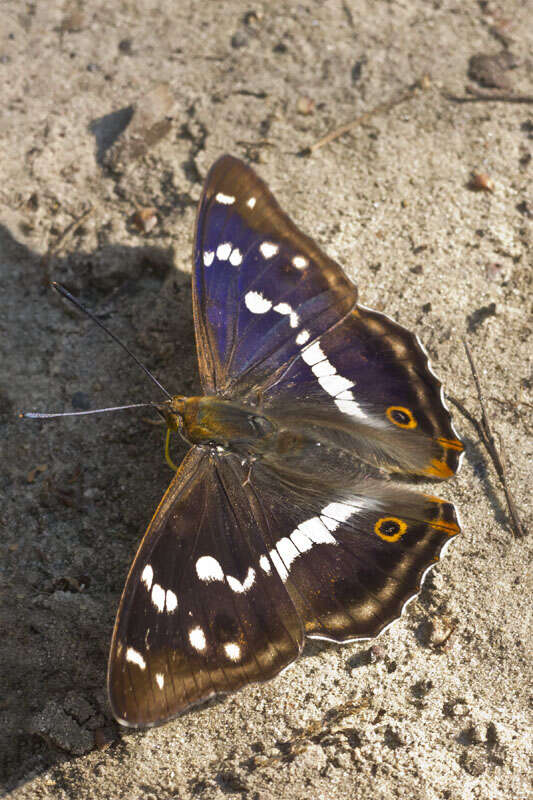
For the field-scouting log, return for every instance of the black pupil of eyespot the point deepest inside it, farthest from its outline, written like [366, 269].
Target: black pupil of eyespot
[390, 528]
[401, 417]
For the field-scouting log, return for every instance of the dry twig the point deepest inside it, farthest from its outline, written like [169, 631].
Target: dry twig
[487, 438]
[477, 96]
[70, 231]
[423, 83]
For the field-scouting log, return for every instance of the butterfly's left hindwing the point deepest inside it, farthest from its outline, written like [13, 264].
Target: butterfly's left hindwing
[367, 386]
[198, 616]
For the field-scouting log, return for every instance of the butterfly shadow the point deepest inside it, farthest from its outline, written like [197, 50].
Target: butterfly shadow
[79, 491]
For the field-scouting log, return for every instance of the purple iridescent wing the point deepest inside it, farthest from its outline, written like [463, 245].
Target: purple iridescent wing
[277, 325]
[367, 387]
[258, 281]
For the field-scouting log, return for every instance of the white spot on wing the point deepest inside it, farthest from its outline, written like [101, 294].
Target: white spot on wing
[335, 384]
[300, 262]
[251, 202]
[286, 309]
[247, 583]
[160, 679]
[208, 257]
[235, 258]
[147, 576]
[208, 569]
[197, 638]
[158, 597]
[279, 565]
[346, 402]
[264, 563]
[171, 602]
[287, 551]
[315, 530]
[256, 303]
[302, 337]
[301, 541]
[268, 249]
[336, 513]
[223, 251]
[225, 199]
[134, 657]
[233, 651]
[323, 368]
[313, 353]
[340, 511]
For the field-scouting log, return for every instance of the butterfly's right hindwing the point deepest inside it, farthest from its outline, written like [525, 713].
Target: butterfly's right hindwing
[350, 559]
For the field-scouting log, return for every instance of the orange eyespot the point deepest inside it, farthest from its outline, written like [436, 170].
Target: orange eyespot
[401, 416]
[390, 529]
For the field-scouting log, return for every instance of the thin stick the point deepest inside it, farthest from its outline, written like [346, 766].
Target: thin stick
[477, 97]
[70, 231]
[487, 437]
[381, 107]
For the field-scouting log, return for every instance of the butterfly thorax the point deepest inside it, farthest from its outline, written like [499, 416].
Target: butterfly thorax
[215, 422]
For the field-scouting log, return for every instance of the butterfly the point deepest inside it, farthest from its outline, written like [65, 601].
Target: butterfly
[282, 523]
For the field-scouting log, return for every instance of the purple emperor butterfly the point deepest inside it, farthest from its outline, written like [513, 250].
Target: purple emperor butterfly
[282, 522]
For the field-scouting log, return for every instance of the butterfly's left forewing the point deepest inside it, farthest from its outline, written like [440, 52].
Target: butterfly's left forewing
[198, 615]
[258, 282]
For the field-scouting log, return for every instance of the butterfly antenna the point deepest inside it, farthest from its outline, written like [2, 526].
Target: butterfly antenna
[75, 302]
[38, 415]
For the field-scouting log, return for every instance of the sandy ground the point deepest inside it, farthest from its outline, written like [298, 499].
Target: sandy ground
[438, 708]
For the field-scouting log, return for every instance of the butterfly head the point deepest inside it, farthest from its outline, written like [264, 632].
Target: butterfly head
[173, 412]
